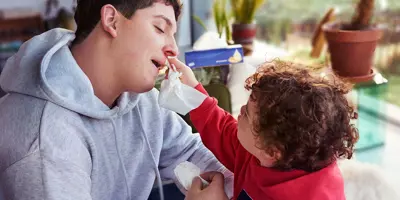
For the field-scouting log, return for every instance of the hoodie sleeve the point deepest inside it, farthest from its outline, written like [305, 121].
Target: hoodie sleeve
[179, 144]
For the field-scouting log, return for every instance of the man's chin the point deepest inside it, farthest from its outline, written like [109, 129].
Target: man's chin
[148, 89]
[143, 89]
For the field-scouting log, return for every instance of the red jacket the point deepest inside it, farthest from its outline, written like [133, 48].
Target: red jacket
[218, 130]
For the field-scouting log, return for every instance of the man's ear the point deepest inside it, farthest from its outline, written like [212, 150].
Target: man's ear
[109, 17]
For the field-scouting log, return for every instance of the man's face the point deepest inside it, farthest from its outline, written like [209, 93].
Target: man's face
[142, 46]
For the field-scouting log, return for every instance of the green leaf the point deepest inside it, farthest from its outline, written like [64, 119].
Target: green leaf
[250, 11]
[228, 31]
[216, 17]
[257, 4]
[244, 11]
[198, 20]
[234, 5]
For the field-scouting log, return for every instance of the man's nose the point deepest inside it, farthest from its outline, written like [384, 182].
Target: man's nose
[171, 48]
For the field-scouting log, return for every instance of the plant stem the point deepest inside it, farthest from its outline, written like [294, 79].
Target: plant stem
[363, 15]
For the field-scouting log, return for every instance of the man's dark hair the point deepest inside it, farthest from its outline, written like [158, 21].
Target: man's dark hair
[87, 13]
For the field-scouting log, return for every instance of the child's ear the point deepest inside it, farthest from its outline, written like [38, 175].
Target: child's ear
[271, 155]
[277, 155]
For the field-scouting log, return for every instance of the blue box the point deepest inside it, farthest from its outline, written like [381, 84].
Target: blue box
[214, 57]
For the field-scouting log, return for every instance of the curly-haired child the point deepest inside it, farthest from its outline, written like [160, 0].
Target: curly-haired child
[287, 139]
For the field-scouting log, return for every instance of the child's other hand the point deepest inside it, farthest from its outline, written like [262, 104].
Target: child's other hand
[187, 77]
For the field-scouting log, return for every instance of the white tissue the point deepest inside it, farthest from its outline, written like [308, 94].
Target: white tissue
[186, 172]
[209, 40]
[178, 97]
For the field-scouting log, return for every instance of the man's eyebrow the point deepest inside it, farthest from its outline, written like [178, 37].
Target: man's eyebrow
[165, 18]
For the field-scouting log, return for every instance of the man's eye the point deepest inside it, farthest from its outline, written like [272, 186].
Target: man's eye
[159, 29]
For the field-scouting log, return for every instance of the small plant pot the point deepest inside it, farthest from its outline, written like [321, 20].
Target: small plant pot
[244, 34]
[352, 51]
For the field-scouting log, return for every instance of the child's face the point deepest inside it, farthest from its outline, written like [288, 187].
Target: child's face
[246, 136]
[245, 125]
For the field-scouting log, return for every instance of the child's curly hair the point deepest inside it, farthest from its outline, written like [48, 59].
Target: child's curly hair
[304, 117]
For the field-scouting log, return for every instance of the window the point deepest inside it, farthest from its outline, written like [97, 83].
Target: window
[290, 24]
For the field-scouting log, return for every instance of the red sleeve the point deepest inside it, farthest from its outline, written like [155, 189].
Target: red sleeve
[217, 128]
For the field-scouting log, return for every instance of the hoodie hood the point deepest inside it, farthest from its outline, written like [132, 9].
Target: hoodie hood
[45, 68]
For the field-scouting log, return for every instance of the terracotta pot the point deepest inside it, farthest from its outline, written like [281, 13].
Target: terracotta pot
[244, 34]
[352, 51]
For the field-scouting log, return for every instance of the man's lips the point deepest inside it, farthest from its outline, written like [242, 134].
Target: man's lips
[160, 66]
[156, 64]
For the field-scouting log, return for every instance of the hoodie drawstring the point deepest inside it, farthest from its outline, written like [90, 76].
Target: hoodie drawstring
[159, 182]
[120, 158]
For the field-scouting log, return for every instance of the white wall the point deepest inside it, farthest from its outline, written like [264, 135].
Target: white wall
[183, 33]
[37, 5]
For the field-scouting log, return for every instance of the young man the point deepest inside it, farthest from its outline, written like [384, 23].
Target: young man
[81, 119]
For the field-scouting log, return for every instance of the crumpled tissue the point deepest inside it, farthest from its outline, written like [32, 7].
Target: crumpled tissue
[186, 171]
[178, 97]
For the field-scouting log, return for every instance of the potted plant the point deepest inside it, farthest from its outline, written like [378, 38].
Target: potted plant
[352, 46]
[244, 27]
[221, 20]
[221, 16]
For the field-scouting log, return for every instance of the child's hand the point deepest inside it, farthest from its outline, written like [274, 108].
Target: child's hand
[187, 77]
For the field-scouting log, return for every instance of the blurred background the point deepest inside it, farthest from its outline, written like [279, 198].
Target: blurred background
[287, 24]
[285, 29]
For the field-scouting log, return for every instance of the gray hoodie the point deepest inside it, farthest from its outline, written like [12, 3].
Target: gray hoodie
[59, 141]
